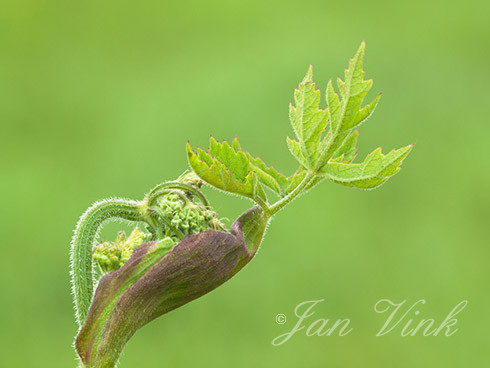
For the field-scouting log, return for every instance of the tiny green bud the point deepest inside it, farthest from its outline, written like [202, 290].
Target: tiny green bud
[110, 256]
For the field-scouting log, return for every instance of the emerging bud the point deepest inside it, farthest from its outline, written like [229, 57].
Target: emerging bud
[160, 277]
[111, 256]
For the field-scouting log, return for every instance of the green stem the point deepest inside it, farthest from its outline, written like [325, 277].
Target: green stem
[177, 185]
[83, 241]
[263, 205]
[276, 207]
[152, 200]
[307, 183]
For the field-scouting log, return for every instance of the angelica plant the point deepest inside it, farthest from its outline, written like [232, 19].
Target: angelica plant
[180, 250]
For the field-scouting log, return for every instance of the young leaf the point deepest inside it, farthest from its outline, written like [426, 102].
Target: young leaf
[320, 155]
[374, 171]
[267, 175]
[226, 169]
[308, 121]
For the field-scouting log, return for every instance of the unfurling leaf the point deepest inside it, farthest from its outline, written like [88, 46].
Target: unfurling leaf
[233, 170]
[374, 171]
[225, 169]
[267, 175]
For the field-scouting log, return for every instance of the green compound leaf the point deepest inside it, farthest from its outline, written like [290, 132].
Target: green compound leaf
[325, 145]
[308, 122]
[374, 171]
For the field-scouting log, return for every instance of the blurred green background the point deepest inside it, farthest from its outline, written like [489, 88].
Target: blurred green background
[98, 99]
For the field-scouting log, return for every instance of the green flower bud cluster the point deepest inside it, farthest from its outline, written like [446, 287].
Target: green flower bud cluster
[186, 216]
[111, 256]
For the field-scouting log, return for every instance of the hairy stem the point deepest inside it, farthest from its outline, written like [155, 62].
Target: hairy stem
[154, 198]
[157, 191]
[264, 205]
[276, 207]
[83, 241]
